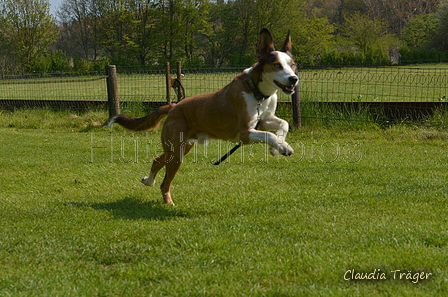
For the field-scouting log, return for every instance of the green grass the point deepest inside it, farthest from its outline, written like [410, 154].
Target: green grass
[75, 220]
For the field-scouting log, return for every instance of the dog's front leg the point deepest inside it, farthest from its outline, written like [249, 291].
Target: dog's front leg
[255, 136]
[273, 123]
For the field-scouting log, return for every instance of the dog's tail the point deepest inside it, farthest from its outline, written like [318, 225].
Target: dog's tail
[149, 122]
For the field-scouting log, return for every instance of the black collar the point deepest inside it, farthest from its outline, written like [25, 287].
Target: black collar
[257, 93]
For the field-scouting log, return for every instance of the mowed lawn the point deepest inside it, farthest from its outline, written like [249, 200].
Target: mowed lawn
[76, 221]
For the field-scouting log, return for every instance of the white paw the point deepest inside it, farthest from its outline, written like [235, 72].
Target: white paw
[285, 149]
[148, 181]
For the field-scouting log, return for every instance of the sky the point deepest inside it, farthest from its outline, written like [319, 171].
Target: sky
[54, 6]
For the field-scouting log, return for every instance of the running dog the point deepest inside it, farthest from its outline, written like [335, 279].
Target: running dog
[243, 112]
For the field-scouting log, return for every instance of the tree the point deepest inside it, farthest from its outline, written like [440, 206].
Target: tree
[322, 8]
[369, 36]
[348, 7]
[141, 40]
[115, 33]
[196, 25]
[441, 37]
[312, 39]
[420, 30]
[79, 28]
[398, 12]
[366, 34]
[28, 28]
[237, 25]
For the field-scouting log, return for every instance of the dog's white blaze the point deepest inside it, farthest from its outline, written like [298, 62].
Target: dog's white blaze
[267, 85]
[285, 60]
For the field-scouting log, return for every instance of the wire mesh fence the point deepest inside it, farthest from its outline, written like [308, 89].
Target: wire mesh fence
[54, 86]
[376, 94]
[383, 84]
[149, 85]
[391, 91]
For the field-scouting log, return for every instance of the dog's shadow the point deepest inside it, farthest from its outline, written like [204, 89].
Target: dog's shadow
[131, 208]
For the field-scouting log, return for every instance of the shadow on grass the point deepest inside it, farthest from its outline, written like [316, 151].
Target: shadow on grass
[131, 208]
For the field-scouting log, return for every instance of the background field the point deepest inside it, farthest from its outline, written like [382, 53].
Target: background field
[422, 83]
[75, 220]
[400, 83]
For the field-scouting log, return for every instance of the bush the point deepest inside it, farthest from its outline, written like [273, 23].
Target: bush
[415, 55]
[355, 58]
[89, 65]
[55, 61]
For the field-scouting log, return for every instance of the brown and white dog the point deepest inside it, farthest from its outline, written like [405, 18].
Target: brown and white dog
[230, 114]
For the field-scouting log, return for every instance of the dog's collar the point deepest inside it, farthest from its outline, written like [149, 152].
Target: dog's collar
[257, 93]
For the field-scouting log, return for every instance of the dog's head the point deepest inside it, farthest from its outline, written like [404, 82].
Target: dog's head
[275, 70]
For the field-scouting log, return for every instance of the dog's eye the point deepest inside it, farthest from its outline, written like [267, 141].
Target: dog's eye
[293, 66]
[278, 65]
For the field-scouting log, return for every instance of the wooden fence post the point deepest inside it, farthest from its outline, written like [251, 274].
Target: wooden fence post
[112, 90]
[179, 78]
[296, 111]
[168, 82]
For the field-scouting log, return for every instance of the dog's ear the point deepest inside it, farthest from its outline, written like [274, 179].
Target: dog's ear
[287, 48]
[266, 44]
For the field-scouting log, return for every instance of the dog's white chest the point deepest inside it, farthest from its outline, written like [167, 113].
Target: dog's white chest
[257, 109]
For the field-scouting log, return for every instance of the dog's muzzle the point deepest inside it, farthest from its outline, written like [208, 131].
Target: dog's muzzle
[288, 89]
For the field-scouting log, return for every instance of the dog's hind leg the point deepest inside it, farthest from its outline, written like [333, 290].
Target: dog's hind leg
[174, 161]
[157, 164]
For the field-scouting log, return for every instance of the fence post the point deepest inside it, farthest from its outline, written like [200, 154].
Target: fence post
[296, 111]
[179, 78]
[168, 82]
[112, 90]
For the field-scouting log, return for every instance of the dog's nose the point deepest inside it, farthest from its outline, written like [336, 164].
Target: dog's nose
[293, 79]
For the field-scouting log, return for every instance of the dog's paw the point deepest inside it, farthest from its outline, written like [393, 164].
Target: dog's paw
[148, 181]
[286, 150]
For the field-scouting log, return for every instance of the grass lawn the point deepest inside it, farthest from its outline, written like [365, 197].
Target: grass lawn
[76, 221]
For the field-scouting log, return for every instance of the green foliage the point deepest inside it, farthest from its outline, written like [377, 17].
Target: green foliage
[355, 58]
[56, 60]
[89, 65]
[420, 30]
[138, 32]
[420, 35]
[367, 36]
[29, 29]
[425, 36]
[421, 55]
[441, 37]
[239, 23]
[312, 40]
